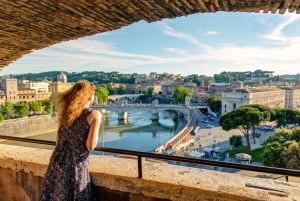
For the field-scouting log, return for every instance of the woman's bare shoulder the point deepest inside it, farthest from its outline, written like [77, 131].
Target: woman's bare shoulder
[95, 114]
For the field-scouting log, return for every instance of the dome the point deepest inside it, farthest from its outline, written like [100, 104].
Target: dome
[62, 77]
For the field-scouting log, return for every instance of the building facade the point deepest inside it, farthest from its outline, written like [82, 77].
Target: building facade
[292, 97]
[272, 97]
[61, 85]
[2, 97]
[10, 86]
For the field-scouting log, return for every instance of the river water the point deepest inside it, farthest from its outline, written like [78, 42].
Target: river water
[137, 133]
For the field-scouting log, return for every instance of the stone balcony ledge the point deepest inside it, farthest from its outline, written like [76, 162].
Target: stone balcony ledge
[22, 170]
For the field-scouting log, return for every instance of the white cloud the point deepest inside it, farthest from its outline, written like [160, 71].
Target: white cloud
[183, 36]
[89, 53]
[276, 34]
[211, 33]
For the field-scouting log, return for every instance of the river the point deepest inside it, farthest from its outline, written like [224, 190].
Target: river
[137, 133]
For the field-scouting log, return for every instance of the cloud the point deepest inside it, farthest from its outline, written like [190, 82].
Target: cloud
[168, 30]
[211, 33]
[277, 33]
[92, 53]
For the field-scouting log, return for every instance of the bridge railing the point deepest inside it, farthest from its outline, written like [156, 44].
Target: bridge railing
[140, 155]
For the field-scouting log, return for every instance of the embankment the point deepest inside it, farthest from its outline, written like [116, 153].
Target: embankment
[28, 126]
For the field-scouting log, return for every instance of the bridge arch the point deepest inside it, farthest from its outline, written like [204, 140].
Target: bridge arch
[31, 25]
[153, 109]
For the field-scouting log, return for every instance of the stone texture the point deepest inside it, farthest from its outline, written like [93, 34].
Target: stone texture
[26, 26]
[21, 169]
[28, 126]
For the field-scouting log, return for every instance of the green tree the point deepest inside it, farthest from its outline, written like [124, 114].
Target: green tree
[35, 107]
[282, 149]
[110, 88]
[272, 154]
[236, 141]
[48, 106]
[8, 110]
[285, 116]
[1, 117]
[181, 92]
[280, 136]
[22, 109]
[121, 89]
[266, 113]
[149, 92]
[102, 95]
[215, 103]
[242, 118]
[291, 156]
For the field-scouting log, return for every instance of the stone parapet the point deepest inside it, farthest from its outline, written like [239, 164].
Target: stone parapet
[28, 125]
[22, 170]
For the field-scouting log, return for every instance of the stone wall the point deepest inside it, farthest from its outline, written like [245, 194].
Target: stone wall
[27, 125]
[22, 170]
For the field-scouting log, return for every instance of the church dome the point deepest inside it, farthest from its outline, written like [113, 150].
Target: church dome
[62, 77]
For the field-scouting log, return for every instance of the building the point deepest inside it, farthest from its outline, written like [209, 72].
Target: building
[10, 86]
[269, 96]
[218, 88]
[2, 97]
[39, 87]
[61, 85]
[26, 95]
[292, 97]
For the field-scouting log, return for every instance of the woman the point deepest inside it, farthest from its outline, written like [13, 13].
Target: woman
[67, 177]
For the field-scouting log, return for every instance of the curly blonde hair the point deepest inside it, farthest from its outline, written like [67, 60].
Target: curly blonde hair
[72, 102]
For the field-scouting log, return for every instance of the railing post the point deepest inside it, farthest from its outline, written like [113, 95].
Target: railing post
[140, 171]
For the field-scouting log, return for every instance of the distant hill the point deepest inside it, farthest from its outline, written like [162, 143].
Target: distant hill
[92, 76]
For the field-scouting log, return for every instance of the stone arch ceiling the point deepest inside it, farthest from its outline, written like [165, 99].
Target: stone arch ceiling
[27, 25]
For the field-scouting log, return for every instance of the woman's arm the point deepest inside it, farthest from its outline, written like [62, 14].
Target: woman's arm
[94, 119]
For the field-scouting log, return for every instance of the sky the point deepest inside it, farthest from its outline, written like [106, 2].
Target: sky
[203, 44]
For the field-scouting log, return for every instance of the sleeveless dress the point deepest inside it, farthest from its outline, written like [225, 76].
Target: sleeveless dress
[67, 177]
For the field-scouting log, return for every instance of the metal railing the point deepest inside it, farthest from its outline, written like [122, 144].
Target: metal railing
[140, 155]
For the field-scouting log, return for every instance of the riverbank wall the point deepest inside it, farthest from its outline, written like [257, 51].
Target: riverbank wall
[28, 125]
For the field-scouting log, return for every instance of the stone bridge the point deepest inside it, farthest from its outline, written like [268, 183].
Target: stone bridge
[119, 98]
[153, 108]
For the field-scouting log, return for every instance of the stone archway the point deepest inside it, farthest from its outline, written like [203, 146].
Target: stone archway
[30, 25]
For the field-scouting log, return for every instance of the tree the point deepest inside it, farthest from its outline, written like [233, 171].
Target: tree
[291, 156]
[8, 110]
[236, 141]
[286, 116]
[110, 88]
[271, 155]
[121, 89]
[181, 92]
[35, 107]
[282, 150]
[1, 117]
[22, 109]
[280, 136]
[149, 92]
[266, 113]
[102, 95]
[215, 103]
[49, 106]
[242, 118]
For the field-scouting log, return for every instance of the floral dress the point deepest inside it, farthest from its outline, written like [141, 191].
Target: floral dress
[67, 177]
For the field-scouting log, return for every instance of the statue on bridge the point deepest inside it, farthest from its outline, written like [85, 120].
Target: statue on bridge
[187, 101]
[155, 102]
